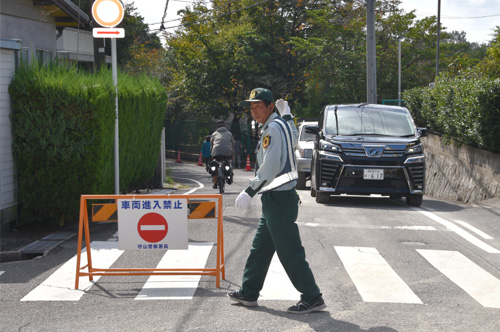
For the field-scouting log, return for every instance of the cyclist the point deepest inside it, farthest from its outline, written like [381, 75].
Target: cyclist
[222, 147]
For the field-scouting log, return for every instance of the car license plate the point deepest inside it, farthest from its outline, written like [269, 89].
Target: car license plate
[373, 174]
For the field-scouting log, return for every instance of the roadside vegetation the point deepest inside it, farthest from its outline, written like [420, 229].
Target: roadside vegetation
[313, 53]
[310, 52]
[63, 124]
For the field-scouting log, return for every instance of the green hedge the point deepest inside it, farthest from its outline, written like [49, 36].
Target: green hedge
[63, 124]
[465, 111]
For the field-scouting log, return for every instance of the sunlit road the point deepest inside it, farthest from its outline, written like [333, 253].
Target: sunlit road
[381, 265]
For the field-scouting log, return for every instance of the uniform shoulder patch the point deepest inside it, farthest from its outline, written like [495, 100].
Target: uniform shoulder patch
[266, 141]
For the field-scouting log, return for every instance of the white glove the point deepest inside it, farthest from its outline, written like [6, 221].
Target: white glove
[282, 106]
[243, 200]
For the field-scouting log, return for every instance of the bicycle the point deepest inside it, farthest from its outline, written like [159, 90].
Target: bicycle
[224, 173]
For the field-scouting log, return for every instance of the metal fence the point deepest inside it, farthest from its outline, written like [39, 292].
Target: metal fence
[394, 102]
[188, 137]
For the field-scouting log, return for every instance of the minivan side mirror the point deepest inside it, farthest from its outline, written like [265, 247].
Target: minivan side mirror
[312, 130]
[422, 131]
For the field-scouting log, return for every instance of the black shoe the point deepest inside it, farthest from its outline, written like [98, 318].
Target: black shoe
[214, 186]
[236, 297]
[304, 308]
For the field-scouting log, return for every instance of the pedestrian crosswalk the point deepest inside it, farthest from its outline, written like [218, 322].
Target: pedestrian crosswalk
[479, 284]
[60, 286]
[177, 287]
[374, 278]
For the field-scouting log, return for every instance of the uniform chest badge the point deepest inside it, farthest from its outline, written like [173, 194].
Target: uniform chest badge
[266, 141]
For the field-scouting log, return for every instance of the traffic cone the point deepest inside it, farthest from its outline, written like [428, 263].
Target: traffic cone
[200, 160]
[249, 167]
[179, 156]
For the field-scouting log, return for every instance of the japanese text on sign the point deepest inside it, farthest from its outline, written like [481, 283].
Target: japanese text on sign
[146, 205]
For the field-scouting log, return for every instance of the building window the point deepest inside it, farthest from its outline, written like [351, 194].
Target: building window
[22, 56]
[44, 56]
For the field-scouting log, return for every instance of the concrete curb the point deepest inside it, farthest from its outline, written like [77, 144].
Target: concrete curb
[37, 248]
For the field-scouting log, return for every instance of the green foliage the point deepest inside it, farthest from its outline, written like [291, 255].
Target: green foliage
[137, 32]
[311, 52]
[490, 66]
[463, 110]
[63, 124]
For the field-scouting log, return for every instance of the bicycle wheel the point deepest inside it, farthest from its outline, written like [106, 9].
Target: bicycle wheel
[221, 184]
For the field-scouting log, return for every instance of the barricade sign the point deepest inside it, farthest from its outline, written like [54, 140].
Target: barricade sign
[151, 222]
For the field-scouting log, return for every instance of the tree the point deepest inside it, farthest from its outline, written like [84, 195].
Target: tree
[490, 66]
[136, 33]
[311, 52]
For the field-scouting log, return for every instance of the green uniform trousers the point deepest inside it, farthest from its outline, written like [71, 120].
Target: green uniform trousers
[278, 232]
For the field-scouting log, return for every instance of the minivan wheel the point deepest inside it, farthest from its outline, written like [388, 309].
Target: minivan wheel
[301, 180]
[322, 198]
[313, 192]
[414, 200]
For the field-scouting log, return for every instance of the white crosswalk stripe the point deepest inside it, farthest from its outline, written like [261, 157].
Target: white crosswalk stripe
[374, 279]
[277, 285]
[371, 274]
[176, 287]
[60, 286]
[478, 283]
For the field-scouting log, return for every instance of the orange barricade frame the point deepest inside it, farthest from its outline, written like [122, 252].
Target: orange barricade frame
[218, 271]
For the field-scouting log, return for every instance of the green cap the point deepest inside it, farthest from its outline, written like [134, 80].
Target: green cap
[259, 94]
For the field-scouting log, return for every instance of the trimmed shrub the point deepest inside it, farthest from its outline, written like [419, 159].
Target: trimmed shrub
[465, 111]
[63, 124]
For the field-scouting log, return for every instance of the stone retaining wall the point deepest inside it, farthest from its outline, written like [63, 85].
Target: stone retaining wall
[460, 173]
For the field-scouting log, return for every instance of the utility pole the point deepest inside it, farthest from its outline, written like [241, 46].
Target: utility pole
[371, 57]
[399, 72]
[438, 32]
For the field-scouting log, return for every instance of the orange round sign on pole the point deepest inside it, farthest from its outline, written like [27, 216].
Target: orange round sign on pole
[108, 13]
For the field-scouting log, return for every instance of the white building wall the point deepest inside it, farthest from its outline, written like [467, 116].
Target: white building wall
[7, 183]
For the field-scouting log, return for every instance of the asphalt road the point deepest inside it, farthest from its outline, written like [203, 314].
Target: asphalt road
[381, 265]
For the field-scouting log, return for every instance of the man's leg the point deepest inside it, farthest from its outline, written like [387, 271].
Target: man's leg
[281, 209]
[258, 262]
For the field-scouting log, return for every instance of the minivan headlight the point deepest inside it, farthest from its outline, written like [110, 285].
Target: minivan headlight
[324, 145]
[418, 148]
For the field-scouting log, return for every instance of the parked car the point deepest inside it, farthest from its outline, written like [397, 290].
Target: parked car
[303, 153]
[368, 149]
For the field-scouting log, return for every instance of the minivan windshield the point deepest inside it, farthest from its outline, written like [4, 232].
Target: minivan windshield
[368, 121]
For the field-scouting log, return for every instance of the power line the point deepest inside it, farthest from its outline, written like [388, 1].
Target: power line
[210, 18]
[467, 17]
[187, 1]
[459, 17]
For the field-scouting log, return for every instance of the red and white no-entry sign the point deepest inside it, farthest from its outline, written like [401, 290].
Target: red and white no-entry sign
[152, 227]
[145, 224]
[108, 13]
